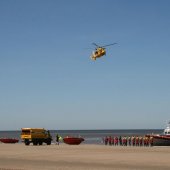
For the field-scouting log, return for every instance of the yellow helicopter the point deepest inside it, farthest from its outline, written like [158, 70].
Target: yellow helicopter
[99, 51]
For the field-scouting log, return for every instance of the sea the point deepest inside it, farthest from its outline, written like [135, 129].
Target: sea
[90, 136]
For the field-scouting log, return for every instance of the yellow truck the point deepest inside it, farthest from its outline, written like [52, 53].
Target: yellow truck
[36, 136]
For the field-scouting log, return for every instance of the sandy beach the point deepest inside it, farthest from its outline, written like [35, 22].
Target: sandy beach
[84, 157]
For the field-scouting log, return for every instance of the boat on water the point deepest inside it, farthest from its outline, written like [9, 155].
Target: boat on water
[9, 140]
[161, 139]
[73, 140]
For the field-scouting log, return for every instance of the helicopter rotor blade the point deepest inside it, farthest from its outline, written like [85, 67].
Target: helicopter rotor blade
[109, 45]
[95, 44]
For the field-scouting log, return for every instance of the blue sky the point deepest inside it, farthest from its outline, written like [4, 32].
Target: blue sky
[48, 80]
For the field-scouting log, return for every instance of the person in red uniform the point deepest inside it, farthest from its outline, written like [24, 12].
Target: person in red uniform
[140, 141]
[137, 141]
[151, 141]
[124, 139]
[113, 141]
[133, 140]
[116, 141]
[106, 140]
[110, 140]
[129, 141]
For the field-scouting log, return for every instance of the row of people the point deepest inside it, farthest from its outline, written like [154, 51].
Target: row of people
[128, 141]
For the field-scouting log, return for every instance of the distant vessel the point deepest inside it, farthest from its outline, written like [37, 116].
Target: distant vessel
[73, 140]
[9, 140]
[162, 139]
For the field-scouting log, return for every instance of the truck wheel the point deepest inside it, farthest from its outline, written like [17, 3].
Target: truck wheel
[48, 142]
[40, 142]
[27, 142]
[35, 142]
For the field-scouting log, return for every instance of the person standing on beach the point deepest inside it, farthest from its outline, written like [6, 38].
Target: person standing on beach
[137, 141]
[113, 141]
[133, 141]
[129, 140]
[106, 140]
[140, 141]
[120, 140]
[116, 141]
[110, 140]
[151, 141]
[57, 139]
